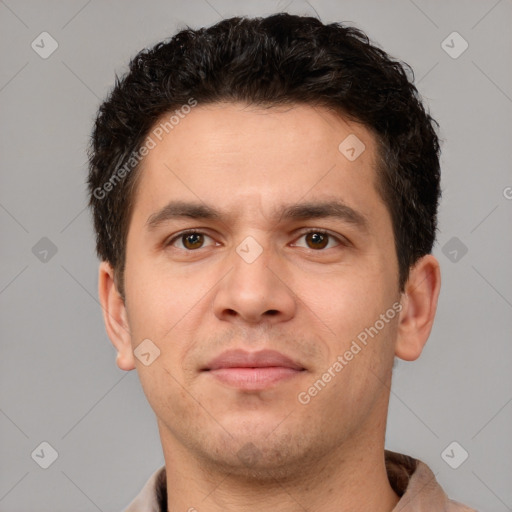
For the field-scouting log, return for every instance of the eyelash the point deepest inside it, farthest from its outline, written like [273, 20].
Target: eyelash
[182, 234]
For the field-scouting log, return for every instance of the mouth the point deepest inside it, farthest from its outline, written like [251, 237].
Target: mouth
[253, 370]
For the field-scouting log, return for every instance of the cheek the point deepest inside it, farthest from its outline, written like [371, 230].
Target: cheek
[164, 392]
[168, 309]
[356, 375]
[159, 299]
[344, 303]
[358, 323]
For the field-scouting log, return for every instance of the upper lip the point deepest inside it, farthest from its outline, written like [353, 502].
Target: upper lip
[244, 359]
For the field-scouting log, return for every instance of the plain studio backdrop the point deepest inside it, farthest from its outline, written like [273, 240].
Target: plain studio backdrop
[59, 383]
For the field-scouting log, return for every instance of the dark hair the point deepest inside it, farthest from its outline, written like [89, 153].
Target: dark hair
[282, 59]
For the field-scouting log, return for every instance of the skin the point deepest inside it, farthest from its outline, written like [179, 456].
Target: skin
[230, 449]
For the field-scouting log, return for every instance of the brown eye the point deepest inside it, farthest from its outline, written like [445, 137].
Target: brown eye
[192, 240]
[316, 240]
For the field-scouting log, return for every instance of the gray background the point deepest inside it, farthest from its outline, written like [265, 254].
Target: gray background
[59, 381]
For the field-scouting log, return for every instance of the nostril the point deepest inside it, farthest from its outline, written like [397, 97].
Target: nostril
[272, 312]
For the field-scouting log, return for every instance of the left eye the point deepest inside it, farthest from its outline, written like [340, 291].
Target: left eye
[318, 240]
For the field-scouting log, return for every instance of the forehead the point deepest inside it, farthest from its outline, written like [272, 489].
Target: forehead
[243, 157]
[230, 128]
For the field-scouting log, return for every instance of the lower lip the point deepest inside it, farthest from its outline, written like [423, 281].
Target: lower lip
[254, 378]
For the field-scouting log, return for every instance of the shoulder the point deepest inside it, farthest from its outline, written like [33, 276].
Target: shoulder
[455, 506]
[153, 496]
[417, 486]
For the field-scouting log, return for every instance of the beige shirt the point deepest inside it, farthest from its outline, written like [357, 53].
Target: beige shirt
[410, 478]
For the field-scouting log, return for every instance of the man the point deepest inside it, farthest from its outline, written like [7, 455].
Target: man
[265, 195]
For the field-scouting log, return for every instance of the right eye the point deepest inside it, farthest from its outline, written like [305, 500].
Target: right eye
[189, 240]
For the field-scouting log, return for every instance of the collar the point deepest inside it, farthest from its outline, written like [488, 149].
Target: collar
[410, 478]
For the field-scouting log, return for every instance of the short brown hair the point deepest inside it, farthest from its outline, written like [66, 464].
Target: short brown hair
[277, 60]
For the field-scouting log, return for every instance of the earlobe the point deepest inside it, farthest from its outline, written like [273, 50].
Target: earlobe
[419, 304]
[115, 317]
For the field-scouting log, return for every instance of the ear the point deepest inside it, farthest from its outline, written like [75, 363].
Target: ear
[115, 317]
[419, 304]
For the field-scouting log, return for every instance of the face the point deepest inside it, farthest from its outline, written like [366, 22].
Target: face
[269, 285]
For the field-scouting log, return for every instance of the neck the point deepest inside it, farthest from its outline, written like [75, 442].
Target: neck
[349, 479]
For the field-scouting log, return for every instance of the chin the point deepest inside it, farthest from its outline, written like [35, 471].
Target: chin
[261, 454]
[253, 462]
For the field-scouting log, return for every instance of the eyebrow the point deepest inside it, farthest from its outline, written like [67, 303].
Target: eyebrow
[299, 211]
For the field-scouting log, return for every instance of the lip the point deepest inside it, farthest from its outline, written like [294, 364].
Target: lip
[253, 370]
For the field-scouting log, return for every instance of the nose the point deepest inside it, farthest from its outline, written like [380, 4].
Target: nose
[255, 292]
